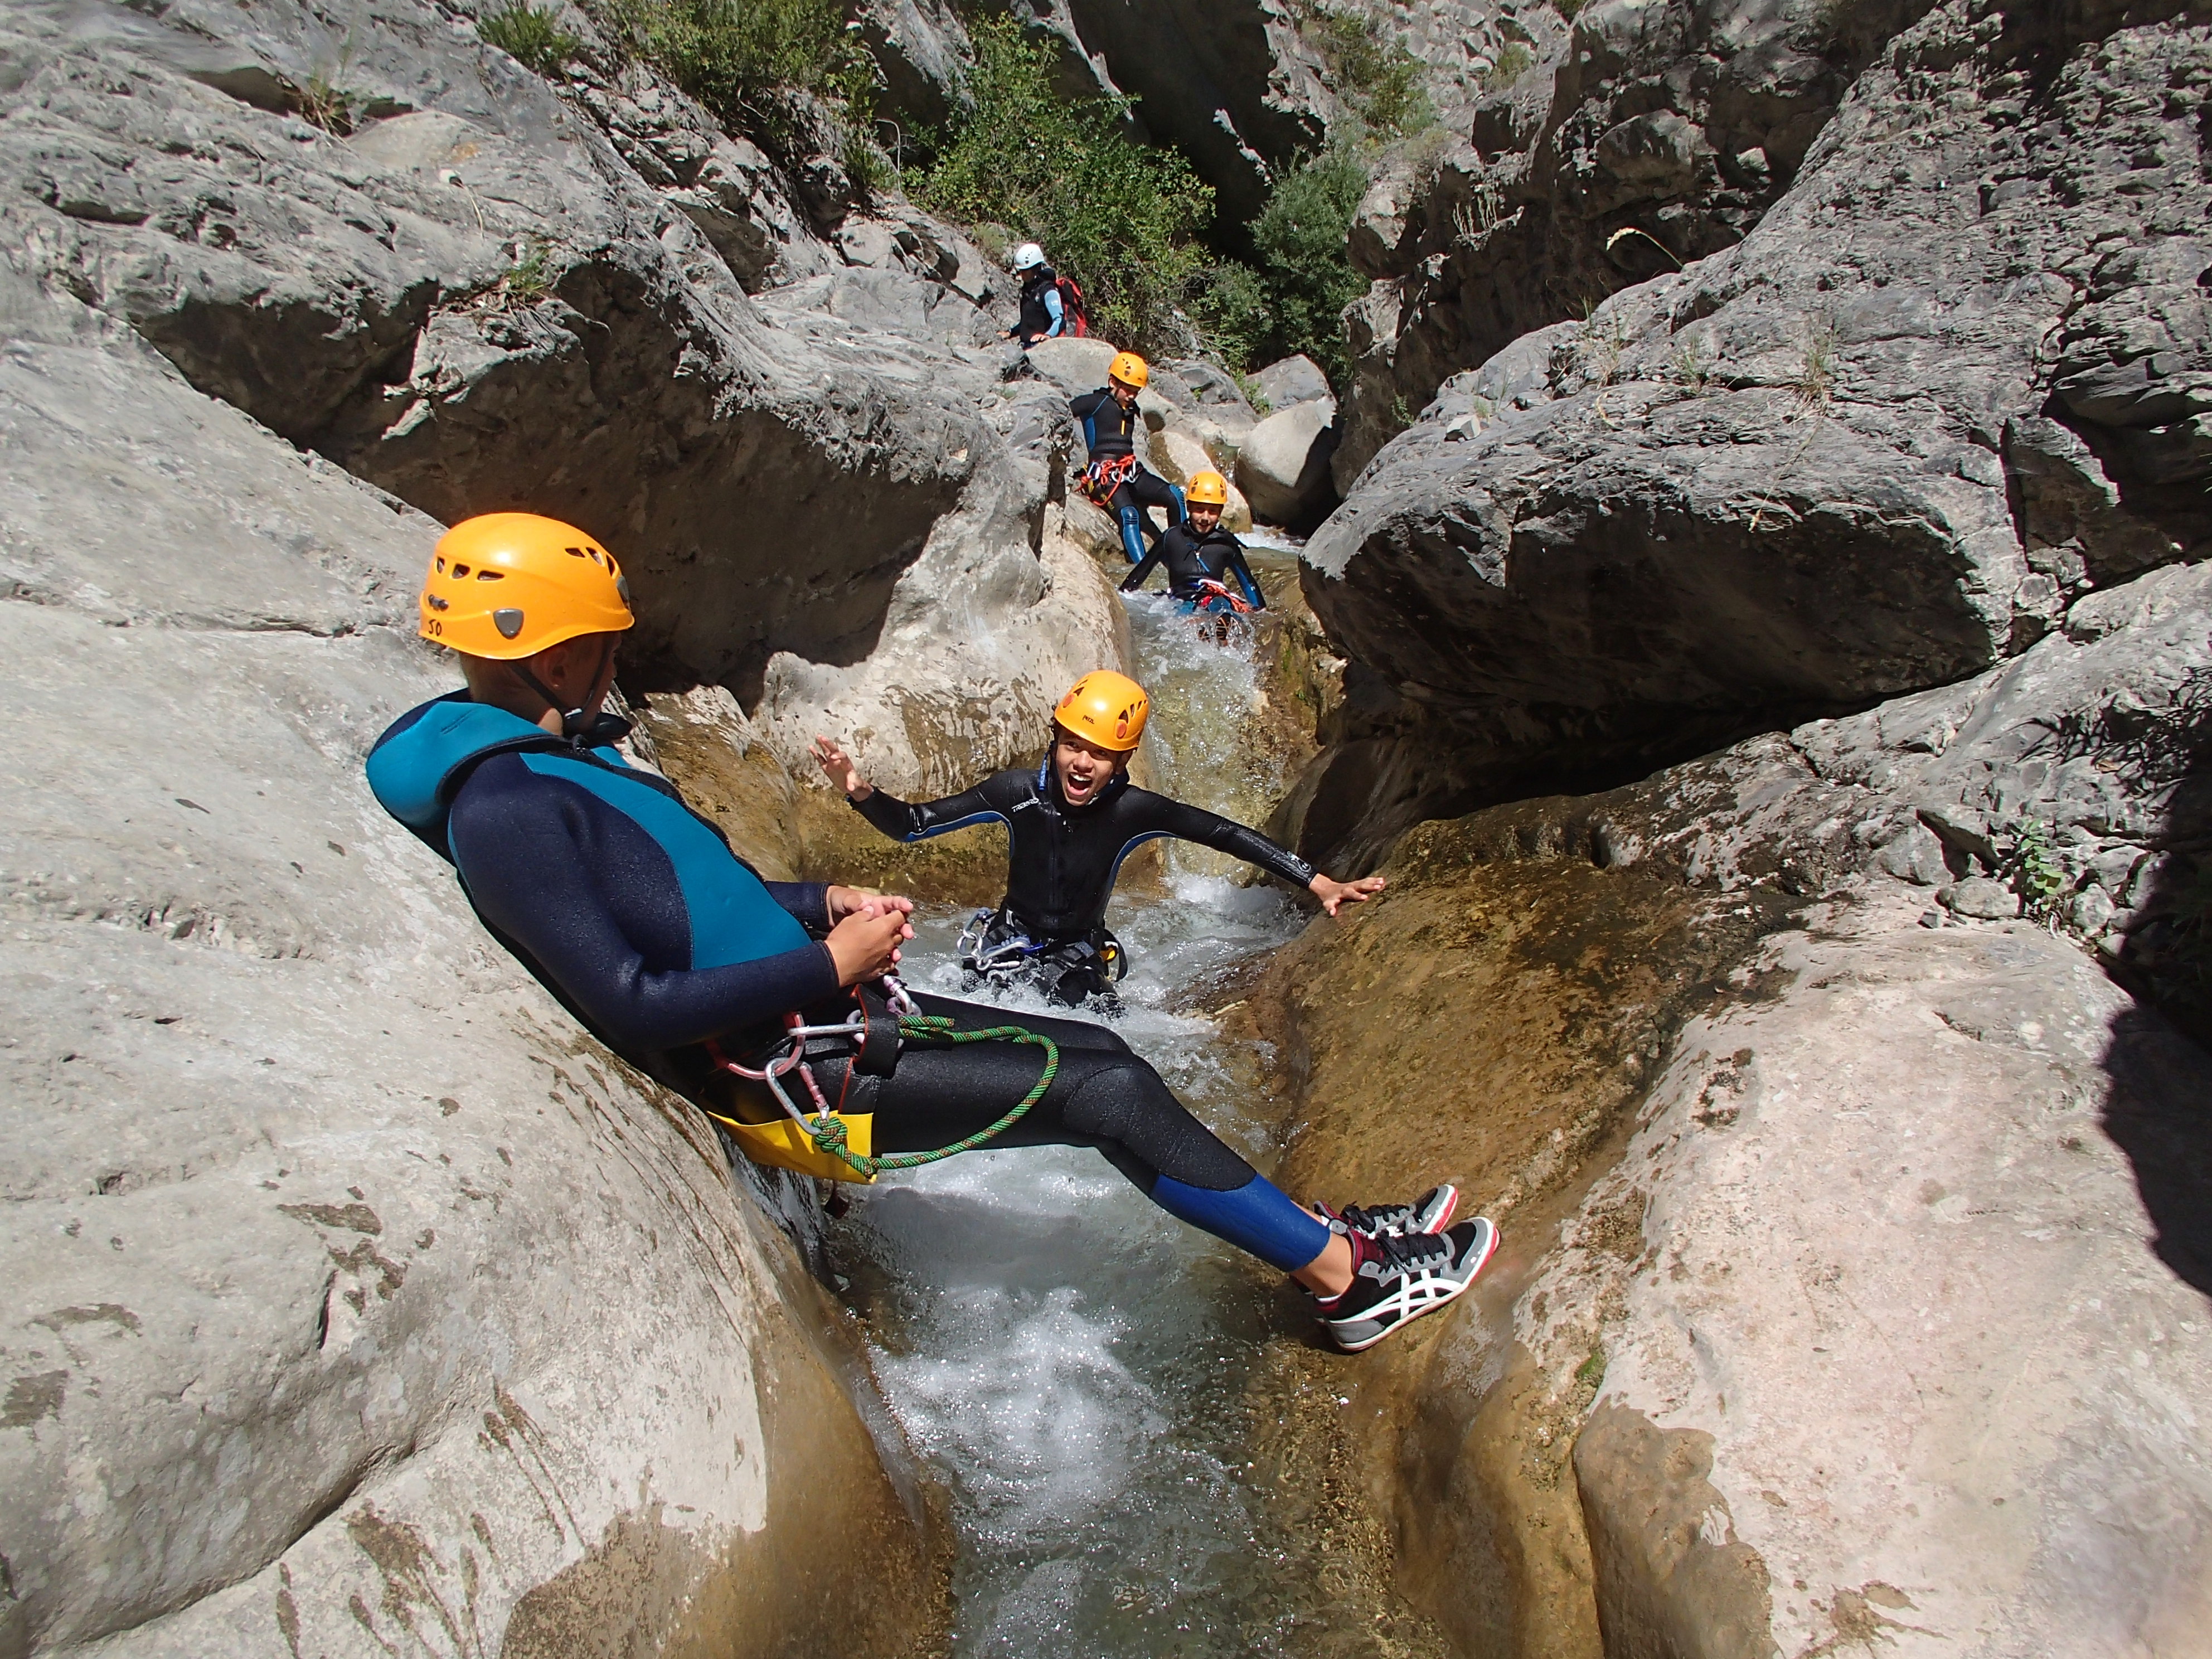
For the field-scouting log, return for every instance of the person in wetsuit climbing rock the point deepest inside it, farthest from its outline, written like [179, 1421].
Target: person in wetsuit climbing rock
[1070, 821]
[1202, 558]
[1044, 312]
[1114, 478]
[634, 911]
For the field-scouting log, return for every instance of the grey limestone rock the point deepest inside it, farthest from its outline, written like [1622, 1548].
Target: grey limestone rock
[1292, 381]
[353, 1291]
[1981, 898]
[1639, 138]
[1780, 482]
[1283, 465]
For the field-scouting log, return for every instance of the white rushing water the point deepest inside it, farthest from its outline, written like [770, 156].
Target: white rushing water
[1069, 1358]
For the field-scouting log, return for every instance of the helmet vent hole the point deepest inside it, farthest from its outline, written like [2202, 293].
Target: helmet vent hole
[441, 567]
[461, 571]
[491, 576]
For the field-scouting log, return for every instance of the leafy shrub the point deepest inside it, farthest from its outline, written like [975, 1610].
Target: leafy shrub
[531, 36]
[1514, 61]
[1380, 84]
[1118, 216]
[742, 59]
[1304, 277]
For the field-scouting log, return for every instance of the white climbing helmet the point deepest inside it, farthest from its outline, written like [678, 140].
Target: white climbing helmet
[1027, 257]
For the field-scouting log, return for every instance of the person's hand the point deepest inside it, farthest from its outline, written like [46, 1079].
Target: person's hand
[838, 767]
[865, 943]
[1005, 334]
[1334, 893]
[844, 900]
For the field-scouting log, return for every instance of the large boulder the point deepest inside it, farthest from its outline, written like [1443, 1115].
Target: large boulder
[1880, 444]
[1283, 467]
[1292, 382]
[1825, 1210]
[354, 1291]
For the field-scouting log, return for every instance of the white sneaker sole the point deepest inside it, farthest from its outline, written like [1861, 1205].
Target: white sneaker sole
[1418, 1297]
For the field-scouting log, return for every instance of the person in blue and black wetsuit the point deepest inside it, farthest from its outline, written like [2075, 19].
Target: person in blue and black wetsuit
[1114, 477]
[634, 911]
[1070, 821]
[1202, 558]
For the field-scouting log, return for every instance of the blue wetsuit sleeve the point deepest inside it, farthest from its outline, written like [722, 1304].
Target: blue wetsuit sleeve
[1252, 596]
[807, 901]
[529, 873]
[917, 821]
[1156, 815]
[1053, 309]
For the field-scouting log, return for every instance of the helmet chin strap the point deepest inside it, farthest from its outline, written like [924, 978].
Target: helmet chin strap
[574, 722]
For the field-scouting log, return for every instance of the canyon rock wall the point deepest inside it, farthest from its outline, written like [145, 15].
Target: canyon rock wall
[1954, 380]
[1856, 1276]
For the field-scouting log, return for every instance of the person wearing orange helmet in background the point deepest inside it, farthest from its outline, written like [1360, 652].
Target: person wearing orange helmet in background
[635, 913]
[1201, 556]
[1114, 477]
[1070, 821]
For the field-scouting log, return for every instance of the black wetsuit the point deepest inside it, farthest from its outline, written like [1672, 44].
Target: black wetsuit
[1044, 312]
[633, 910]
[1192, 558]
[1109, 434]
[1062, 859]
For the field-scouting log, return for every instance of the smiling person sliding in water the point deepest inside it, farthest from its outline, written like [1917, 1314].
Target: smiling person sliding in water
[634, 911]
[1070, 821]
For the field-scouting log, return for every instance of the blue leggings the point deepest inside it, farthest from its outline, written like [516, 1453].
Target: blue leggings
[1144, 489]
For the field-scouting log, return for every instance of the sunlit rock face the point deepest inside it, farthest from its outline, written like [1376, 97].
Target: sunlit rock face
[1950, 385]
[1826, 1193]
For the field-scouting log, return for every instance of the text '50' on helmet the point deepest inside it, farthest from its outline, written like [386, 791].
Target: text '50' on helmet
[1107, 708]
[1129, 369]
[1207, 489]
[1027, 257]
[507, 584]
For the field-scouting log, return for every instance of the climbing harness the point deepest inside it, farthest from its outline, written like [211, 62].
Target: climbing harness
[830, 1142]
[1210, 595]
[993, 948]
[1217, 610]
[1102, 478]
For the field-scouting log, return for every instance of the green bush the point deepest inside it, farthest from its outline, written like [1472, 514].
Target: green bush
[1304, 277]
[1119, 218]
[1381, 84]
[530, 35]
[1514, 61]
[740, 58]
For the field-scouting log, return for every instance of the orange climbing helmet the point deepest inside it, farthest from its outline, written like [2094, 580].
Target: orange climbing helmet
[1107, 708]
[507, 585]
[1129, 369]
[1207, 489]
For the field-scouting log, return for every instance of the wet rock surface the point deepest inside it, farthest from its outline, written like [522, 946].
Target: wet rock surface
[1843, 460]
[1819, 1204]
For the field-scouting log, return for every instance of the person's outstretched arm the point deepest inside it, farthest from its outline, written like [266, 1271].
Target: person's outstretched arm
[904, 820]
[1160, 815]
[1253, 597]
[1145, 566]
